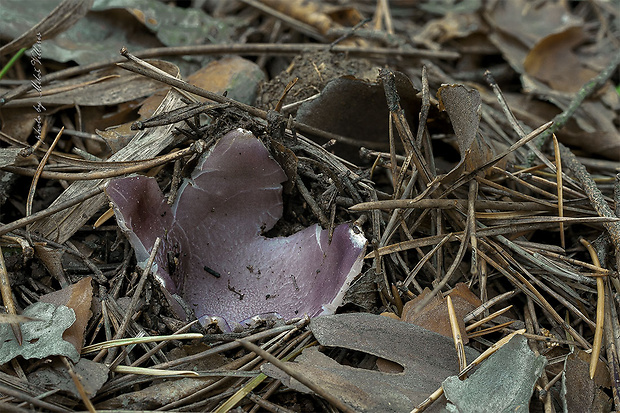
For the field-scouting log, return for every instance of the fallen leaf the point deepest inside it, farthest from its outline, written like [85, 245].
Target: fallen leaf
[110, 24]
[553, 61]
[62, 16]
[223, 266]
[434, 316]
[579, 392]
[503, 383]
[464, 109]
[426, 358]
[236, 76]
[40, 338]
[356, 108]
[529, 24]
[52, 259]
[78, 297]
[56, 376]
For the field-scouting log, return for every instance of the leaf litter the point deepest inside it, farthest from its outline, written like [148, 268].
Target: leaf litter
[452, 182]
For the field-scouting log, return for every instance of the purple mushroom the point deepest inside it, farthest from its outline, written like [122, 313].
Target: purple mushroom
[213, 253]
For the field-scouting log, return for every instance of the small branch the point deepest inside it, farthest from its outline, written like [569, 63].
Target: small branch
[594, 194]
[51, 210]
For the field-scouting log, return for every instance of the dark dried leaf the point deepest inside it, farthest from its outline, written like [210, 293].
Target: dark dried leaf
[464, 109]
[579, 392]
[434, 316]
[427, 358]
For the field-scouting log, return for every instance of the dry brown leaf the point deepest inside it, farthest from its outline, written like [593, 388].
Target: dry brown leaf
[581, 393]
[51, 258]
[78, 297]
[553, 61]
[233, 74]
[55, 375]
[464, 109]
[315, 14]
[434, 316]
[529, 23]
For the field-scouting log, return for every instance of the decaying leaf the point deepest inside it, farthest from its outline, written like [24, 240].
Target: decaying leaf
[503, 383]
[427, 358]
[434, 316]
[78, 297]
[213, 253]
[236, 76]
[356, 108]
[61, 18]
[579, 392]
[464, 109]
[108, 25]
[518, 27]
[56, 376]
[52, 259]
[40, 338]
[553, 61]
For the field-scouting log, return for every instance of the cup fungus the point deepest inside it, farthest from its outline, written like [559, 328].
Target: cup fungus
[213, 253]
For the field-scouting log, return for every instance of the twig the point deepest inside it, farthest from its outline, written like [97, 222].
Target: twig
[487, 318]
[114, 169]
[456, 334]
[522, 225]
[135, 299]
[51, 210]
[558, 167]
[20, 395]
[519, 281]
[424, 260]
[594, 194]
[611, 333]
[37, 173]
[449, 272]
[314, 207]
[444, 203]
[7, 298]
[488, 304]
[490, 329]
[600, 311]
